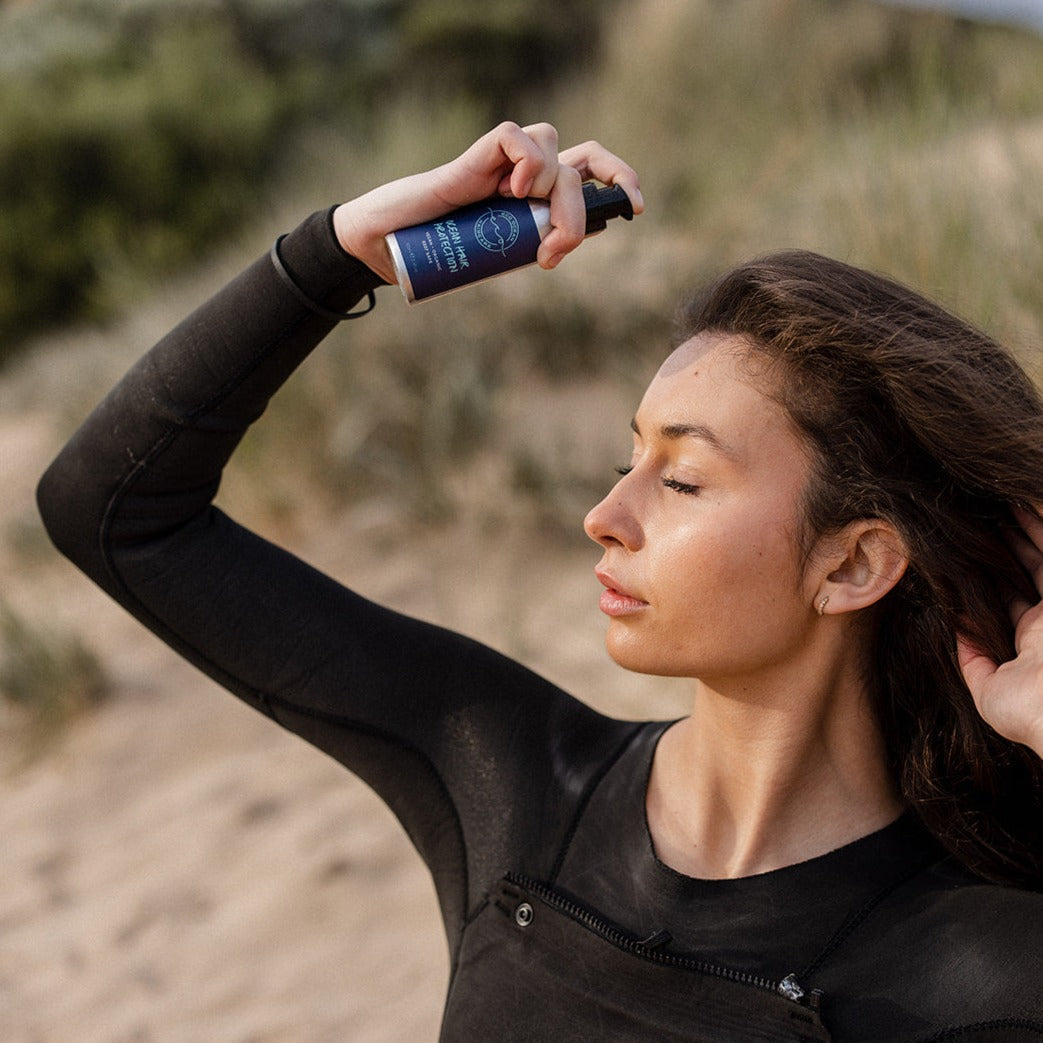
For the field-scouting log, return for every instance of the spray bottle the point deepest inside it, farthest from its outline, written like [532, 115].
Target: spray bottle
[486, 239]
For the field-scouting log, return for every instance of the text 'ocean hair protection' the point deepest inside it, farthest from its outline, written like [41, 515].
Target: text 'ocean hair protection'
[486, 239]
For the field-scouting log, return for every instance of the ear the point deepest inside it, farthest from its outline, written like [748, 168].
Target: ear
[858, 566]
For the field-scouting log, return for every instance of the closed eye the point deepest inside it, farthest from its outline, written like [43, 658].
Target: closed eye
[671, 483]
[682, 487]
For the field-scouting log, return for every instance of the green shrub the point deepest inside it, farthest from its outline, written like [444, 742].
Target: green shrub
[500, 52]
[135, 136]
[125, 160]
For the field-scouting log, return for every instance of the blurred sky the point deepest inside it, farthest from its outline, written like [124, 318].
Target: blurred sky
[1017, 12]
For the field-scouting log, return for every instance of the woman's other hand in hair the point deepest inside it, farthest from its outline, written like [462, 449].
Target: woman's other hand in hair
[1009, 696]
[507, 161]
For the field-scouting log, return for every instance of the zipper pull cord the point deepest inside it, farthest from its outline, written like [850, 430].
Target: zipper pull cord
[657, 939]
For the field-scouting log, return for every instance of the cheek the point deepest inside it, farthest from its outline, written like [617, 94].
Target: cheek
[738, 570]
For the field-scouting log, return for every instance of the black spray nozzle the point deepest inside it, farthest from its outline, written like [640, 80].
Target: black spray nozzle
[605, 203]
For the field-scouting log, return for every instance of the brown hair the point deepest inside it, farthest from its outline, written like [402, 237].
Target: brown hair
[917, 418]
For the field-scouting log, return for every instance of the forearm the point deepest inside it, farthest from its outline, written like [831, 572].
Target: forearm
[150, 456]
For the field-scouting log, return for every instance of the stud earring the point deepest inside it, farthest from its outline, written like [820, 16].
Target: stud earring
[821, 606]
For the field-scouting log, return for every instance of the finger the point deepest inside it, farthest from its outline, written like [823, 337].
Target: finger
[975, 666]
[506, 156]
[593, 160]
[545, 174]
[1028, 545]
[568, 218]
[531, 159]
[1031, 523]
[1023, 615]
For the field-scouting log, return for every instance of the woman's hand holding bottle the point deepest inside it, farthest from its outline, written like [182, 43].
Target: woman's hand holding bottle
[508, 161]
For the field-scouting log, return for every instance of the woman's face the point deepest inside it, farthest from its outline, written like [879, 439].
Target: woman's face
[701, 563]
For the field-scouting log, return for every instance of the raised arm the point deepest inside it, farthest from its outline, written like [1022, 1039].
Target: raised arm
[144, 467]
[431, 720]
[131, 492]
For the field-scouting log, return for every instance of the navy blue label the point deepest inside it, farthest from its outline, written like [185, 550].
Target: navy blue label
[473, 243]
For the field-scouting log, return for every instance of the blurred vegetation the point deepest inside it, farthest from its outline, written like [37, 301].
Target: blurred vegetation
[903, 141]
[47, 678]
[134, 135]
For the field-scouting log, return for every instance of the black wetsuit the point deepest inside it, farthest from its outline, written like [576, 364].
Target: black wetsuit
[527, 806]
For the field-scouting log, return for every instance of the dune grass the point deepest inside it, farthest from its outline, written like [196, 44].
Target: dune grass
[906, 142]
[47, 678]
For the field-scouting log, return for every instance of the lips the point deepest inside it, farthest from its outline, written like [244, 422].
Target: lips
[616, 600]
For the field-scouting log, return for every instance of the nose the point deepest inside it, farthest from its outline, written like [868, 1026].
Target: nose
[612, 523]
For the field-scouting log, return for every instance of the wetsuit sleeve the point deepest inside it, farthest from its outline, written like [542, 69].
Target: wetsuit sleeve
[477, 756]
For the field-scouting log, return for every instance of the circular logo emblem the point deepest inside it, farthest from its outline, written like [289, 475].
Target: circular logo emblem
[496, 230]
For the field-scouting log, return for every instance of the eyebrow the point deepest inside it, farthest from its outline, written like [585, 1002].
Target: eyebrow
[674, 432]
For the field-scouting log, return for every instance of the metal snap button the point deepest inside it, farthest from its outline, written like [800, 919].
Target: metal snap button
[523, 915]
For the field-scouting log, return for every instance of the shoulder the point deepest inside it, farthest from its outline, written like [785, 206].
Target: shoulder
[977, 947]
[944, 956]
[972, 916]
[992, 937]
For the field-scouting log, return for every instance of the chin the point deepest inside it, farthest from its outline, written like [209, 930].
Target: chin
[643, 660]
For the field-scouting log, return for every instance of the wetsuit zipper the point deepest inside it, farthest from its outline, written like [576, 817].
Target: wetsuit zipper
[788, 987]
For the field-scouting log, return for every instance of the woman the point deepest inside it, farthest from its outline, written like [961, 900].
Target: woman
[814, 853]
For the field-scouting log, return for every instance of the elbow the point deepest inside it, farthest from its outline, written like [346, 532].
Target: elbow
[65, 515]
